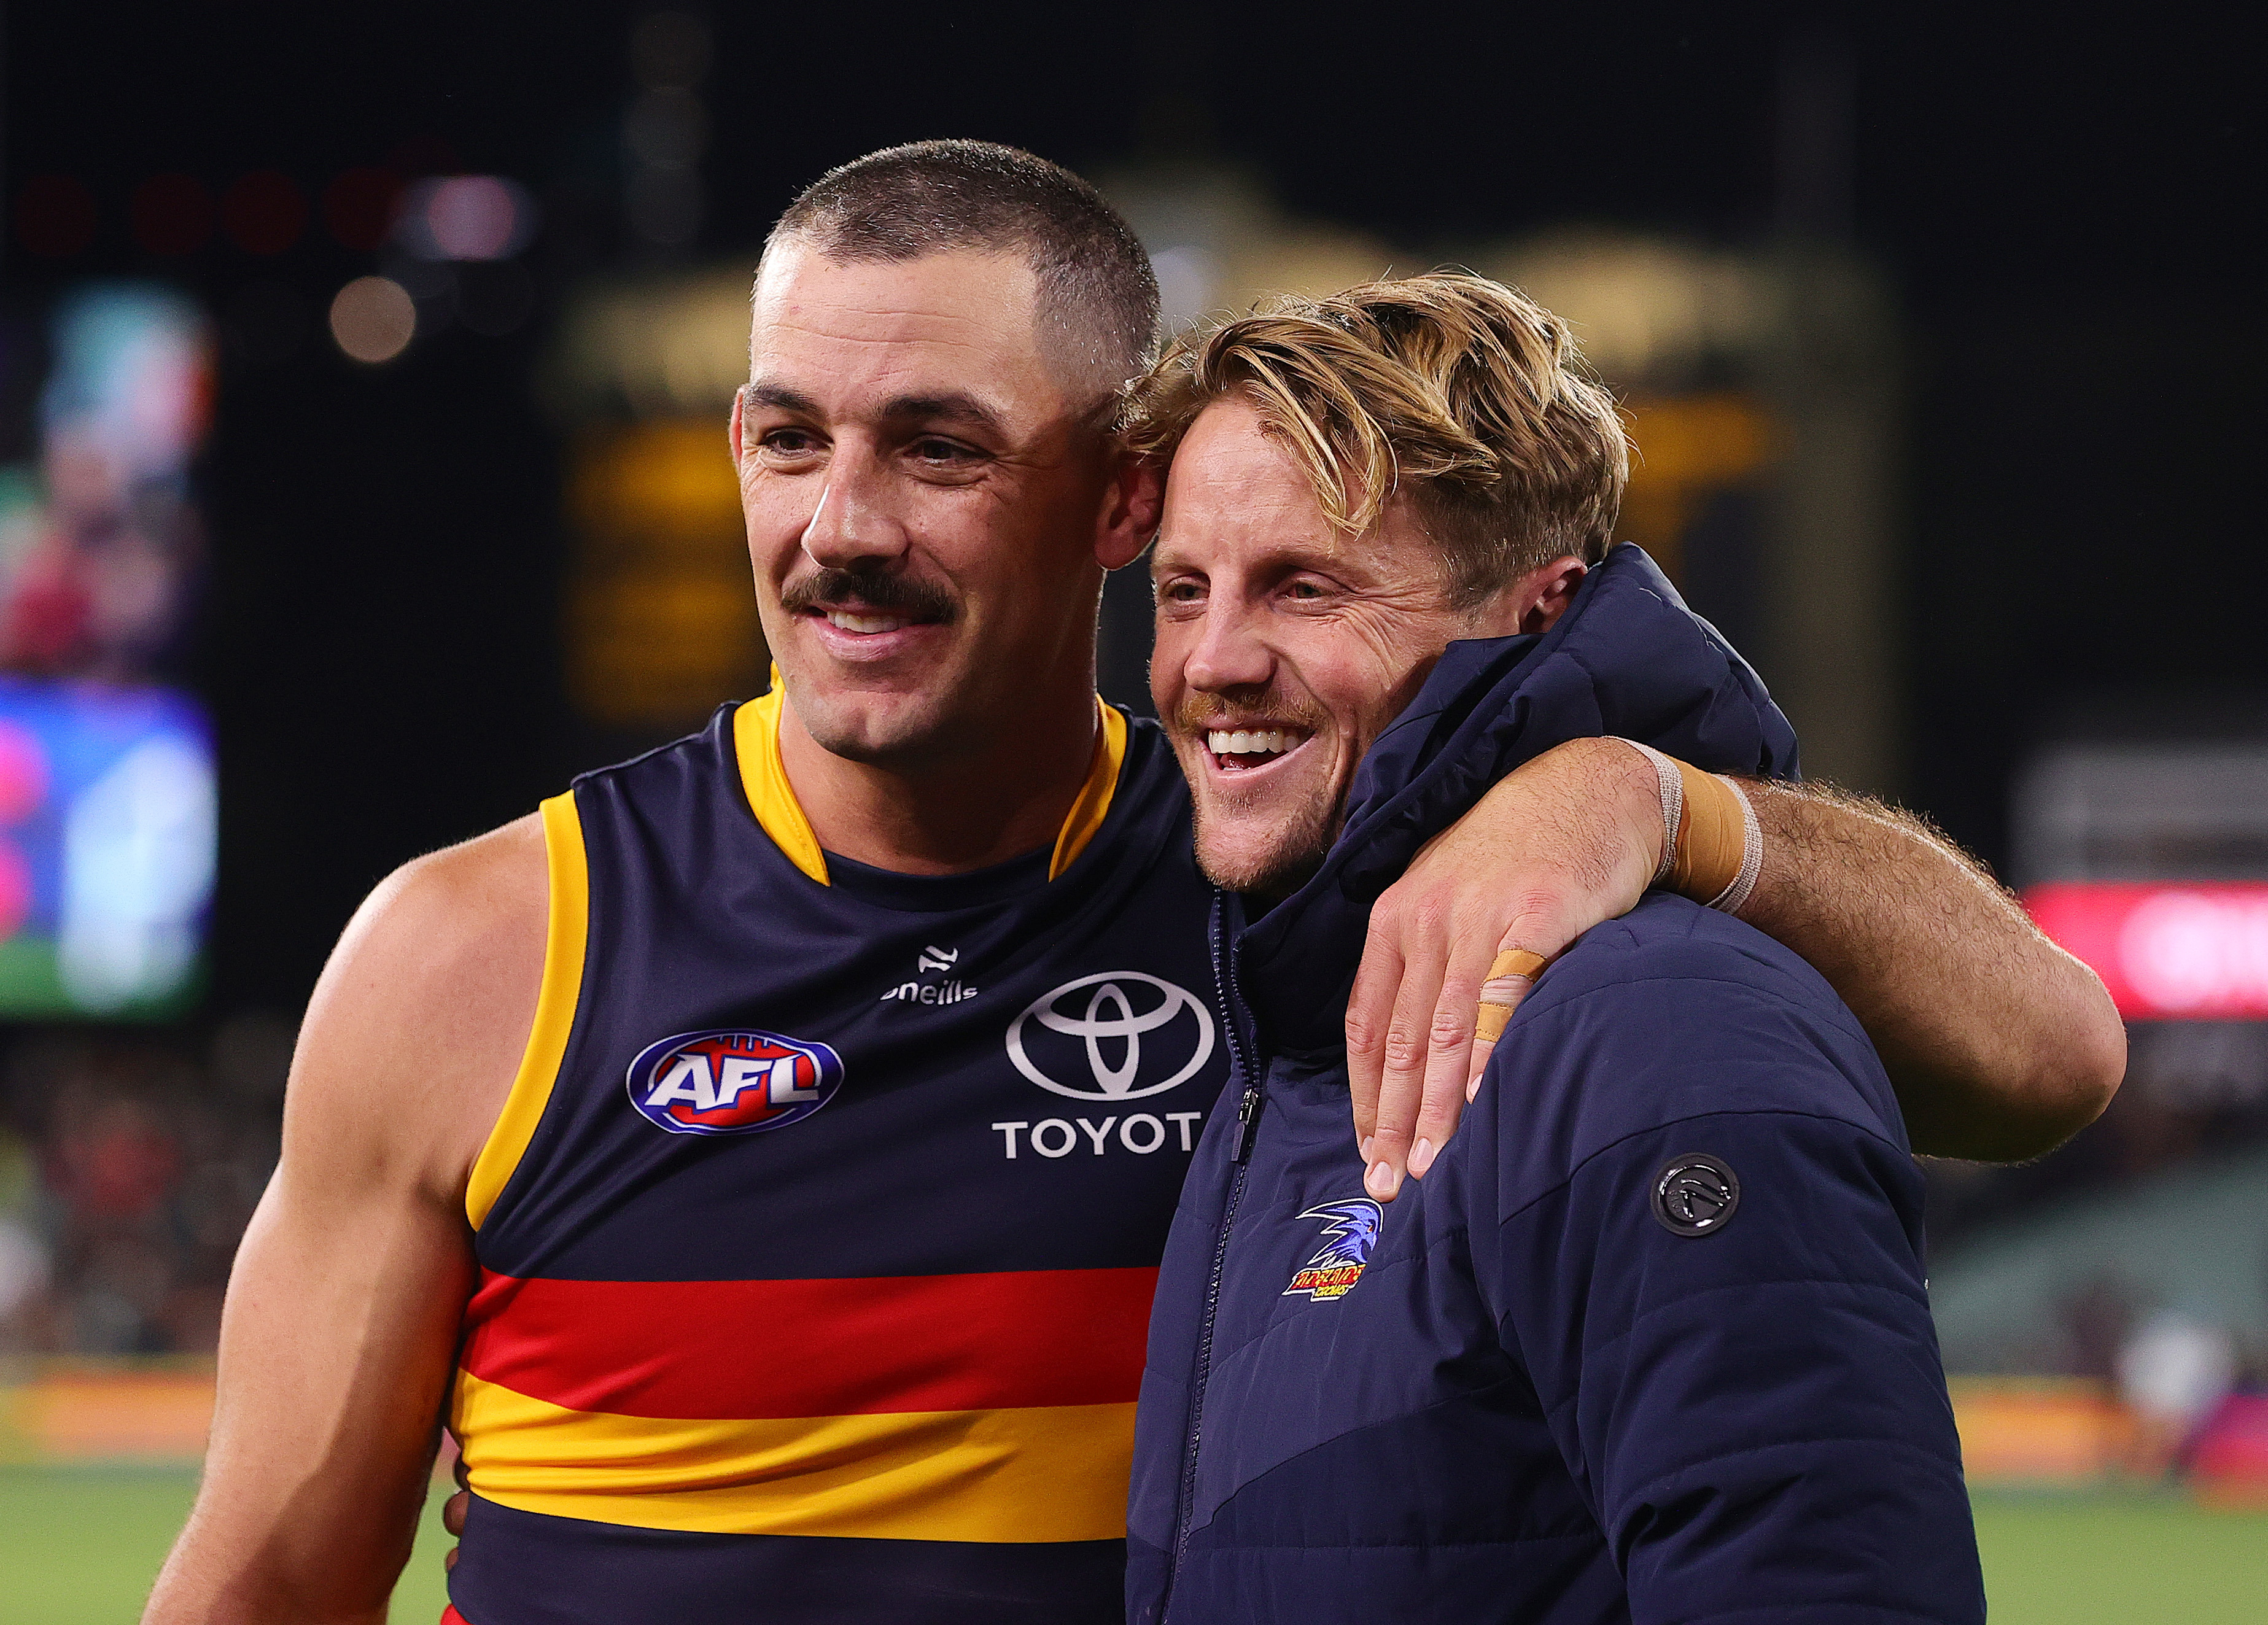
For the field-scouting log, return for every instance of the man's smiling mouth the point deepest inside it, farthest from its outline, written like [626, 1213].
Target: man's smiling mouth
[851, 620]
[1244, 750]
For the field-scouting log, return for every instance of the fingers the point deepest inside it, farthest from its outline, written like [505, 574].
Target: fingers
[1417, 1030]
[1370, 1014]
[452, 1512]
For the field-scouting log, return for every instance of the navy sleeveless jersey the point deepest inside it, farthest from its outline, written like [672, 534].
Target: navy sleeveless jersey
[818, 1234]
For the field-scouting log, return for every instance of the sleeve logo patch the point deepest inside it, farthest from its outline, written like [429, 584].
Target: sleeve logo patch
[738, 1082]
[1352, 1228]
[1695, 1194]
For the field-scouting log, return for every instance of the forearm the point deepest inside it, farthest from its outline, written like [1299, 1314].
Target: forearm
[333, 1372]
[2001, 1045]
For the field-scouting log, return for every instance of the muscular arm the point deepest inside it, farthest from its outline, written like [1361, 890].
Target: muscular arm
[343, 1307]
[2001, 1045]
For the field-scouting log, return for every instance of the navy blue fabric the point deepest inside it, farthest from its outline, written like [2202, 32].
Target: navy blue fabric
[1536, 1403]
[697, 921]
[568, 1571]
[928, 1162]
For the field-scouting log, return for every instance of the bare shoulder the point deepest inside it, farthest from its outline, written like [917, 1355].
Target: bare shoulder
[415, 1031]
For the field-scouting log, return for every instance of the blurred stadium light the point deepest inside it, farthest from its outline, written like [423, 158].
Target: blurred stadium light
[661, 616]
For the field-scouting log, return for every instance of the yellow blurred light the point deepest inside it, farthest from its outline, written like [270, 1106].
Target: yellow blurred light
[372, 319]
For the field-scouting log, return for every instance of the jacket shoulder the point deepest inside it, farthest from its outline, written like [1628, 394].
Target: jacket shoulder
[1674, 1011]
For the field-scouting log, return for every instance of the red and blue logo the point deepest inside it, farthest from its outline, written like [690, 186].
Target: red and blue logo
[732, 1082]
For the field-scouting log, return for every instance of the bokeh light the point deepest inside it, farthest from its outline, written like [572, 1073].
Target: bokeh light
[263, 212]
[373, 319]
[466, 217]
[171, 214]
[358, 207]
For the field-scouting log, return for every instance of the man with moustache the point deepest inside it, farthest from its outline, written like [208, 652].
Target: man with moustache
[763, 1156]
[1650, 1342]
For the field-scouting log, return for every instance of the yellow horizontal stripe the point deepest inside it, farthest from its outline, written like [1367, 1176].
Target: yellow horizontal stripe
[561, 989]
[1046, 1473]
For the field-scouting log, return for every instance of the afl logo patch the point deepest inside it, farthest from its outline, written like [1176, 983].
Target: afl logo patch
[734, 1081]
[1694, 1194]
[1118, 1035]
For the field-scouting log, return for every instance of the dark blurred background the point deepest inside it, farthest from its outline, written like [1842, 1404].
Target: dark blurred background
[1941, 331]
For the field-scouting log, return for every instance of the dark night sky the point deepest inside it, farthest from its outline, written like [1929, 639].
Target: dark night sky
[2070, 214]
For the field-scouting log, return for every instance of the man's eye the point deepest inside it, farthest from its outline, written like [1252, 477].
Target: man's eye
[929, 449]
[790, 442]
[1180, 592]
[1305, 590]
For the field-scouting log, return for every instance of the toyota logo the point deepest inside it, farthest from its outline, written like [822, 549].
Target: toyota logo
[1110, 1013]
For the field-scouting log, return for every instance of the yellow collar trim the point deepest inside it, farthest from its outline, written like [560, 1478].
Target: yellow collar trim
[763, 777]
[1092, 805]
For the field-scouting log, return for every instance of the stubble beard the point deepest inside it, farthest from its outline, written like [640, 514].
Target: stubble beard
[1286, 862]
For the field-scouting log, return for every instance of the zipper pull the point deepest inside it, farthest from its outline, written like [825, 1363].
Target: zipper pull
[1248, 1121]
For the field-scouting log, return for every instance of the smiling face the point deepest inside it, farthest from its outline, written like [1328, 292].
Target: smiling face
[926, 493]
[1286, 647]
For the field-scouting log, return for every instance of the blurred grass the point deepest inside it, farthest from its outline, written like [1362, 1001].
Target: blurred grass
[2121, 1559]
[80, 1546]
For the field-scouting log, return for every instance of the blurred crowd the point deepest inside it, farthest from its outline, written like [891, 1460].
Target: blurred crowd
[129, 1166]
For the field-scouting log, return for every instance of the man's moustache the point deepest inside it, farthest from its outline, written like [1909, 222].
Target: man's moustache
[828, 588]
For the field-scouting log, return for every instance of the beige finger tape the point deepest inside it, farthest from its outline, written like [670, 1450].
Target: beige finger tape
[1509, 978]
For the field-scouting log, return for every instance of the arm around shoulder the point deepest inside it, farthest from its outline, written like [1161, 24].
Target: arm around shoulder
[345, 1304]
[2001, 1045]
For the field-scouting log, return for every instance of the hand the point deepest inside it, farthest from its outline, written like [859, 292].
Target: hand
[1568, 840]
[453, 1510]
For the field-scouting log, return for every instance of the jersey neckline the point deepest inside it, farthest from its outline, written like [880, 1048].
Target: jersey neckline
[771, 798]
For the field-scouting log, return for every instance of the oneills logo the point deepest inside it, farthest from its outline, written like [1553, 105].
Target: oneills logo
[1353, 1227]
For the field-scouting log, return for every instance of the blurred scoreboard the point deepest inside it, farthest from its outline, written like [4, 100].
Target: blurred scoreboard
[108, 829]
[2195, 950]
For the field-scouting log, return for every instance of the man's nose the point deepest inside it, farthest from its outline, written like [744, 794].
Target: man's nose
[853, 523]
[1230, 652]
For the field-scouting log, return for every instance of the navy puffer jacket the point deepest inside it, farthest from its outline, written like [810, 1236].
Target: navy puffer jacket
[1650, 1342]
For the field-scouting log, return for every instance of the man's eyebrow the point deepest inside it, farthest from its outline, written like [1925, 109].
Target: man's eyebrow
[950, 407]
[780, 399]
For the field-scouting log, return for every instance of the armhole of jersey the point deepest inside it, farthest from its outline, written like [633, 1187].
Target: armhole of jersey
[565, 934]
[764, 778]
[1094, 803]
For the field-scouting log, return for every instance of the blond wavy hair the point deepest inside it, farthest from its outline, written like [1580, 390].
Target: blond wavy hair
[1459, 394]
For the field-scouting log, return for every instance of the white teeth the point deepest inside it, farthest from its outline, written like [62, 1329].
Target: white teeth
[850, 623]
[1252, 741]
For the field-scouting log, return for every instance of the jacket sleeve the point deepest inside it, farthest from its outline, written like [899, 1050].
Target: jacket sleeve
[1757, 1412]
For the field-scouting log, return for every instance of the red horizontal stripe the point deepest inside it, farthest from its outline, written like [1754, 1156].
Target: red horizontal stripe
[747, 1349]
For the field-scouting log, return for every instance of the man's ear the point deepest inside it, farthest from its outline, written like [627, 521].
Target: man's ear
[732, 434]
[1542, 595]
[1137, 496]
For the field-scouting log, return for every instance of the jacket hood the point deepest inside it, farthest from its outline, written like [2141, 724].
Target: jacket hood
[1628, 658]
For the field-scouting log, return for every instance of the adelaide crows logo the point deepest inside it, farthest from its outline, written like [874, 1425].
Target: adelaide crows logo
[1353, 1227]
[732, 1082]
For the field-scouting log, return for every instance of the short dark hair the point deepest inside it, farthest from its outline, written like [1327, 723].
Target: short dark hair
[1096, 287]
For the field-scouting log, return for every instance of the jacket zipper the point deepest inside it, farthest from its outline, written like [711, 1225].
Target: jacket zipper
[1248, 1129]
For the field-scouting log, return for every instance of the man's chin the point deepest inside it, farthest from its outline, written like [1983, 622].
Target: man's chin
[1271, 867]
[877, 729]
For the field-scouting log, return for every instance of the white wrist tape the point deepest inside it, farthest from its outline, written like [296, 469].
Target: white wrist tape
[1673, 807]
[1734, 897]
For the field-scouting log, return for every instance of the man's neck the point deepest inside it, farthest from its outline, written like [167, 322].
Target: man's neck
[980, 807]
